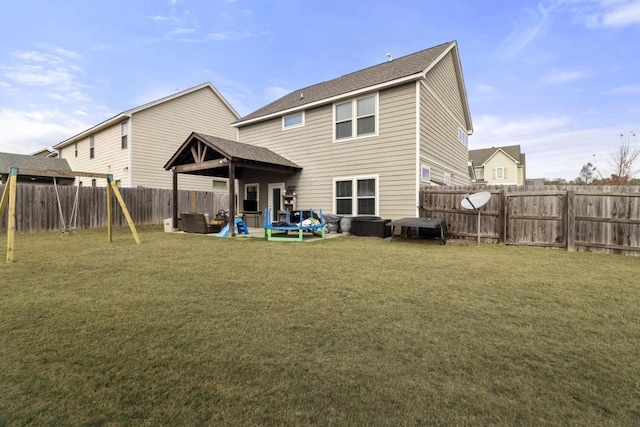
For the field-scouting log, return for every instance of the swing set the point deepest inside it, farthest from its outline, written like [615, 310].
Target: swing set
[9, 199]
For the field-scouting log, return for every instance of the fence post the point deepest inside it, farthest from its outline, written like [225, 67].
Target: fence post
[502, 230]
[571, 220]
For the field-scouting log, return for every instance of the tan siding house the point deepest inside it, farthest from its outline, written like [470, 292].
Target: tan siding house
[366, 140]
[134, 145]
[499, 165]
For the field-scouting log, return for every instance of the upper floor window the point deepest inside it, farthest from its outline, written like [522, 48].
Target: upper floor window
[75, 147]
[463, 137]
[356, 118]
[293, 121]
[500, 173]
[91, 147]
[124, 132]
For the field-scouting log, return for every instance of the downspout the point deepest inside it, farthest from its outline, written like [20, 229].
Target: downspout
[417, 167]
[130, 154]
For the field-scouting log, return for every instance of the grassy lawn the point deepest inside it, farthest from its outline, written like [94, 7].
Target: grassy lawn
[192, 330]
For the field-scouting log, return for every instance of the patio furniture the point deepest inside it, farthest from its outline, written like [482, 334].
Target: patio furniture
[198, 223]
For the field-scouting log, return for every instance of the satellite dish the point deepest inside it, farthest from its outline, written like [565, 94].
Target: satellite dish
[474, 202]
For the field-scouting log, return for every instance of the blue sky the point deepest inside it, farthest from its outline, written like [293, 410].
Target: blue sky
[559, 77]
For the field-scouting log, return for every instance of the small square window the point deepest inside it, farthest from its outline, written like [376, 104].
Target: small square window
[425, 174]
[293, 121]
[93, 182]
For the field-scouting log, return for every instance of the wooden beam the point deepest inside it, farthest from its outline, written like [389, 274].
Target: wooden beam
[109, 214]
[125, 211]
[195, 155]
[232, 199]
[11, 227]
[30, 171]
[209, 164]
[4, 200]
[175, 199]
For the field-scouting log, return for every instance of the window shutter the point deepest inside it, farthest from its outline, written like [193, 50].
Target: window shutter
[505, 172]
[493, 173]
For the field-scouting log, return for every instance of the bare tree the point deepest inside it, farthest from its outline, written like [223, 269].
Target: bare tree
[587, 173]
[621, 160]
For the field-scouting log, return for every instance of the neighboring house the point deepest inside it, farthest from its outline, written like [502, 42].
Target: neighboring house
[45, 152]
[135, 144]
[366, 142]
[499, 165]
[43, 164]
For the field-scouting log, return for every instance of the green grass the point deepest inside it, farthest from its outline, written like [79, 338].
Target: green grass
[193, 330]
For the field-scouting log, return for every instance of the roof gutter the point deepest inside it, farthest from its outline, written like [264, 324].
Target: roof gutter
[107, 123]
[332, 99]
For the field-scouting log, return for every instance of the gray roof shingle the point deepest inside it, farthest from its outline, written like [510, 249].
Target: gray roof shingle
[240, 150]
[388, 71]
[232, 150]
[7, 160]
[478, 157]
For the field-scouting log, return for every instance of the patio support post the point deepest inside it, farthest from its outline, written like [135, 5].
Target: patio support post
[175, 198]
[232, 197]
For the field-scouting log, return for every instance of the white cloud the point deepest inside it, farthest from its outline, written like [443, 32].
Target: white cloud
[27, 131]
[272, 93]
[32, 68]
[564, 76]
[484, 88]
[80, 113]
[554, 147]
[605, 13]
[622, 15]
[183, 31]
[525, 32]
[625, 90]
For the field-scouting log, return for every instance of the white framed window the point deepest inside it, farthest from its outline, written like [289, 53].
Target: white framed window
[447, 178]
[219, 183]
[75, 148]
[425, 173]
[463, 137]
[124, 133]
[500, 173]
[92, 152]
[355, 118]
[293, 121]
[356, 195]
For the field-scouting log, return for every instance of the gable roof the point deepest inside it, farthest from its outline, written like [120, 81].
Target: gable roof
[480, 157]
[8, 160]
[125, 115]
[400, 70]
[247, 154]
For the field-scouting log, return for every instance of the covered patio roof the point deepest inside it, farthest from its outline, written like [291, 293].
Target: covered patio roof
[209, 155]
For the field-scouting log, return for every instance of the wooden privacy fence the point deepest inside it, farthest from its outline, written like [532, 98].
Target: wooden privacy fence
[37, 206]
[587, 218]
